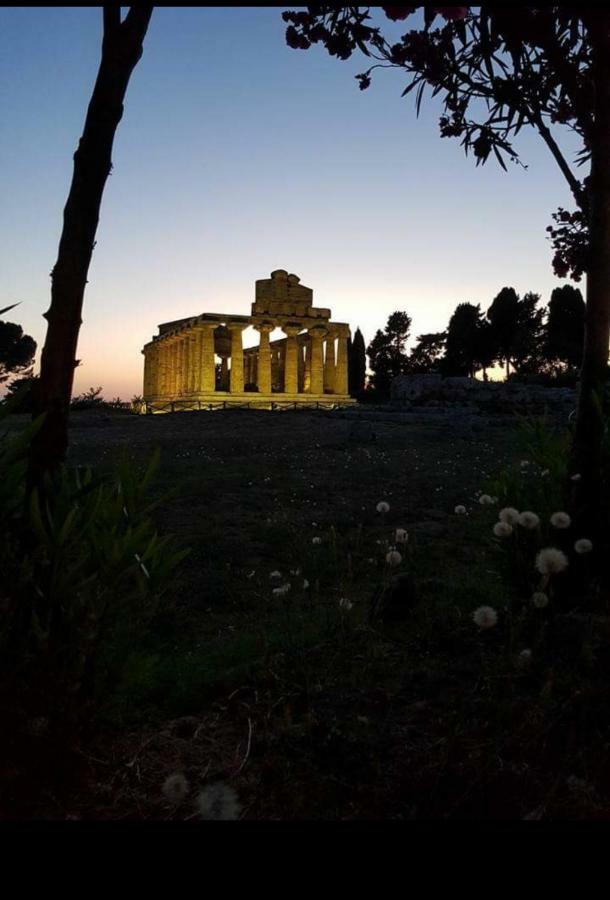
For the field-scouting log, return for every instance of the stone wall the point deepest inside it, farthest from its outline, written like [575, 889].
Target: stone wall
[472, 395]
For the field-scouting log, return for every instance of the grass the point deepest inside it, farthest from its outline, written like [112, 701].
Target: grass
[307, 708]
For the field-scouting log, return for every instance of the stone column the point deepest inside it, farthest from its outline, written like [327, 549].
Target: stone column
[291, 362]
[156, 377]
[146, 389]
[171, 365]
[281, 363]
[341, 372]
[317, 334]
[301, 367]
[162, 350]
[264, 359]
[189, 362]
[179, 365]
[307, 373]
[207, 364]
[329, 364]
[237, 359]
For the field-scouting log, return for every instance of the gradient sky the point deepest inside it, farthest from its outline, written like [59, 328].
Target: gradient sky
[236, 156]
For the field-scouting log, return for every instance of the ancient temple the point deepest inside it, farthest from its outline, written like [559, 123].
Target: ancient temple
[200, 362]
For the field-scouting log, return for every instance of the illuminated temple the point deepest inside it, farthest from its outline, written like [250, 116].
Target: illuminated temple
[200, 362]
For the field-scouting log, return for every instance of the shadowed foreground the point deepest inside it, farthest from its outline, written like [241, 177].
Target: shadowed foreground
[306, 701]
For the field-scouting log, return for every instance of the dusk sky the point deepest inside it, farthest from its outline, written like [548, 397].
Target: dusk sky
[237, 155]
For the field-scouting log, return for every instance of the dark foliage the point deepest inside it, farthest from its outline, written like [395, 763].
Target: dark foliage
[16, 350]
[387, 352]
[565, 327]
[356, 364]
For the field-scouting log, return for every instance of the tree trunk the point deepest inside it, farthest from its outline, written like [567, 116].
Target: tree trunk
[587, 444]
[121, 50]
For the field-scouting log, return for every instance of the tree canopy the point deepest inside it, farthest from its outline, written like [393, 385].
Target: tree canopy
[16, 350]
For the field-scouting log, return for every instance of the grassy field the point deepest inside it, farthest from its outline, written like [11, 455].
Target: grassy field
[360, 692]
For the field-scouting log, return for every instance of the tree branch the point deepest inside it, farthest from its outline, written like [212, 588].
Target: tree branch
[112, 20]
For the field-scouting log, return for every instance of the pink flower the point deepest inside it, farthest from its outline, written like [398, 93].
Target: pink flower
[398, 13]
[451, 13]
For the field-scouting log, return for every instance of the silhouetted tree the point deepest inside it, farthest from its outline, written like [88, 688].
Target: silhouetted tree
[24, 388]
[16, 350]
[503, 316]
[463, 343]
[497, 69]
[565, 327]
[387, 351]
[485, 350]
[427, 352]
[121, 50]
[528, 350]
[356, 364]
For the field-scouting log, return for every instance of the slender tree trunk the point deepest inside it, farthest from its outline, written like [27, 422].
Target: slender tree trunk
[587, 445]
[121, 50]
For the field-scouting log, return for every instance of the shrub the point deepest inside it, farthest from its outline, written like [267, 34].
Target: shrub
[83, 568]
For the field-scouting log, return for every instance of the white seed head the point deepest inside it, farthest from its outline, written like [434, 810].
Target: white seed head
[486, 500]
[401, 536]
[282, 590]
[502, 529]
[550, 561]
[218, 802]
[529, 520]
[583, 545]
[460, 510]
[485, 617]
[316, 540]
[175, 787]
[560, 520]
[393, 558]
[540, 599]
[383, 507]
[509, 514]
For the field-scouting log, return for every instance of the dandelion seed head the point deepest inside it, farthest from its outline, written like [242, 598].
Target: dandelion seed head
[583, 545]
[485, 500]
[485, 617]
[550, 561]
[393, 558]
[540, 599]
[316, 540]
[460, 510]
[401, 536]
[218, 802]
[529, 520]
[175, 787]
[383, 507]
[560, 520]
[509, 514]
[502, 529]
